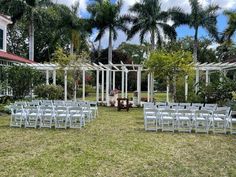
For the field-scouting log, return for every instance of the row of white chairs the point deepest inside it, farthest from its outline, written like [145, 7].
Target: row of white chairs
[187, 120]
[191, 106]
[34, 115]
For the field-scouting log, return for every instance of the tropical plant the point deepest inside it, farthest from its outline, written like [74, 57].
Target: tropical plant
[149, 18]
[170, 65]
[106, 16]
[198, 17]
[74, 62]
[231, 28]
[22, 79]
[51, 92]
[28, 9]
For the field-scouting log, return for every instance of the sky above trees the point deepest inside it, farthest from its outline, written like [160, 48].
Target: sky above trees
[181, 31]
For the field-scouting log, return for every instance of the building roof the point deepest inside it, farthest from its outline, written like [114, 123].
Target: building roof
[14, 58]
[6, 18]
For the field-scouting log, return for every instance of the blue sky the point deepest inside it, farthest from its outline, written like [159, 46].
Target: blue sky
[182, 31]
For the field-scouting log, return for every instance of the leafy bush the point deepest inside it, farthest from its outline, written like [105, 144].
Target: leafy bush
[51, 92]
[22, 79]
[219, 92]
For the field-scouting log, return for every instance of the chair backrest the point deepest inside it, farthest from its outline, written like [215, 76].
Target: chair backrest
[17, 109]
[20, 103]
[148, 105]
[184, 113]
[211, 107]
[173, 105]
[74, 110]
[167, 112]
[184, 105]
[59, 103]
[206, 114]
[223, 112]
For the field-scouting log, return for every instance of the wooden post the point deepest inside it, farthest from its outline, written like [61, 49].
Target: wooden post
[197, 81]
[83, 84]
[167, 90]
[65, 85]
[54, 77]
[107, 87]
[186, 87]
[102, 86]
[122, 82]
[97, 88]
[47, 77]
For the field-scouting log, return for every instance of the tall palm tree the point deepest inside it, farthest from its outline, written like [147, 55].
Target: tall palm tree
[92, 9]
[231, 27]
[28, 9]
[107, 17]
[149, 18]
[198, 17]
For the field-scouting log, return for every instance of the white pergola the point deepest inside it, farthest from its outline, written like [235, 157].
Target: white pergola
[107, 71]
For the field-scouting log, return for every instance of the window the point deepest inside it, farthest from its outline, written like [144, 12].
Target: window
[1, 39]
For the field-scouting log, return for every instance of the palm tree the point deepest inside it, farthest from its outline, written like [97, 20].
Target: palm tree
[92, 9]
[198, 17]
[28, 9]
[150, 19]
[231, 28]
[107, 16]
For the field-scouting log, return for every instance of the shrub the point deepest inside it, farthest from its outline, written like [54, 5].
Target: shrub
[21, 79]
[51, 92]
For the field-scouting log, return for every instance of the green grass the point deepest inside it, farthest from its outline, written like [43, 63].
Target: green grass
[115, 144]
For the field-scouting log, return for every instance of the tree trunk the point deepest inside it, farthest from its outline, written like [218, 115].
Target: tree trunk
[153, 39]
[75, 90]
[110, 57]
[110, 47]
[174, 88]
[99, 47]
[31, 39]
[195, 47]
[71, 47]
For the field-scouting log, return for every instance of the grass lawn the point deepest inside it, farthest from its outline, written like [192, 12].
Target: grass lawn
[115, 144]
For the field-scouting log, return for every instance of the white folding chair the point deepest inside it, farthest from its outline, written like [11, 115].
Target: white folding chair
[86, 111]
[76, 117]
[17, 116]
[219, 120]
[46, 116]
[201, 120]
[231, 123]
[184, 120]
[94, 108]
[32, 116]
[168, 117]
[151, 120]
[61, 117]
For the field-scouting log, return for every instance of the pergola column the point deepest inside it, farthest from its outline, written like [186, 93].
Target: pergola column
[126, 84]
[186, 87]
[114, 80]
[83, 84]
[207, 77]
[197, 80]
[54, 76]
[152, 87]
[102, 86]
[97, 91]
[47, 77]
[65, 85]
[148, 89]
[107, 87]
[122, 82]
[167, 90]
[139, 84]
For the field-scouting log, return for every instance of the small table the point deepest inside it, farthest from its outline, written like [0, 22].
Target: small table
[122, 106]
